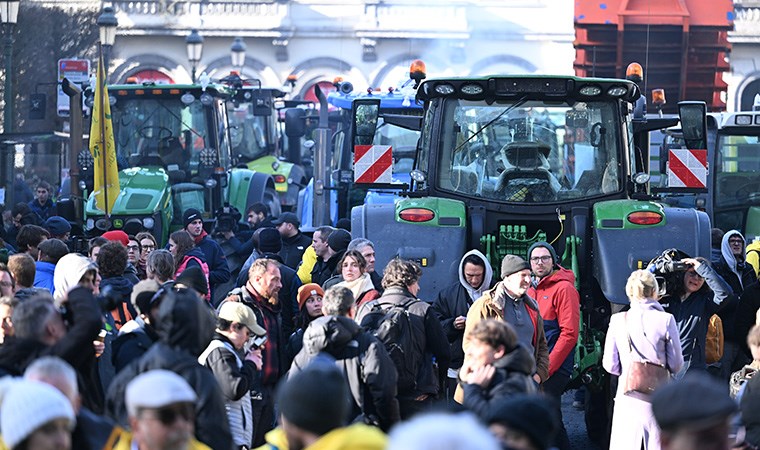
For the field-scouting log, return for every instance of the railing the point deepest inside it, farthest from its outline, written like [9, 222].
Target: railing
[210, 8]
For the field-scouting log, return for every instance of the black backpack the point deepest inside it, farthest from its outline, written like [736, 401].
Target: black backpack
[392, 324]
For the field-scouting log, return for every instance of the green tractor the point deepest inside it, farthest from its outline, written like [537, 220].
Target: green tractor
[256, 138]
[505, 161]
[173, 152]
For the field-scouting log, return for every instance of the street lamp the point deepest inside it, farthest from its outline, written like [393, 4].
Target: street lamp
[237, 54]
[194, 43]
[107, 24]
[8, 16]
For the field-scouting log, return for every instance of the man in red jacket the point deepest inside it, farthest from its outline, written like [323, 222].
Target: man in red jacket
[553, 288]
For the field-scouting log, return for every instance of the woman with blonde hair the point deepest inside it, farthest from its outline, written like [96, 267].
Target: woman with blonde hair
[644, 333]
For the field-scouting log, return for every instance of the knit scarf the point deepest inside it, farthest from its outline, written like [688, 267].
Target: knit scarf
[359, 285]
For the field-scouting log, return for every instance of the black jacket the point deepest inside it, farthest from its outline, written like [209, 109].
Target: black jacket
[92, 431]
[746, 311]
[324, 270]
[362, 358]
[728, 315]
[185, 326]
[429, 329]
[693, 314]
[513, 376]
[131, 345]
[75, 348]
[293, 248]
[452, 302]
[218, 271]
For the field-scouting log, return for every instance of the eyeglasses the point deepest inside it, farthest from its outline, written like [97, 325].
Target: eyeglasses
[148, 247]
[545, 258]
[169, 414]
[133, 248]
[735, 241]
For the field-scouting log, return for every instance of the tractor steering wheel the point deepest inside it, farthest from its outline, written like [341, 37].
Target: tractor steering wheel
[163, 132]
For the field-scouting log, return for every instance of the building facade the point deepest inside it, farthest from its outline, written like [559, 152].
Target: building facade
[369, 43]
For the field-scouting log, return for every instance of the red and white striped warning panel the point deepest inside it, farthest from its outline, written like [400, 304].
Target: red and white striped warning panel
[687, 168]
[373, 163]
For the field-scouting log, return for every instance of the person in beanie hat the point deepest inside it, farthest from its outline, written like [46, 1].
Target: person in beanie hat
[327, 265]
[309, 308]
[314, 411]
[58, 227]
[29, 406]
[193, 278]
[118, 236]
[693, 411]
[525, 422]
[553, 288]
[509, 301]
[219, 271]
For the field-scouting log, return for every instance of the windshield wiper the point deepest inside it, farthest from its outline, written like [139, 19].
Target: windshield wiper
[512, 107]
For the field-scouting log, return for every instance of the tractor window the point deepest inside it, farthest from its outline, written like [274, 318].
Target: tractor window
[247, 132]
[160, 132]
[530, 152]
[737, 176]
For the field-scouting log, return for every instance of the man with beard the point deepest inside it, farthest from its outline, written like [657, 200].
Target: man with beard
[260, 293]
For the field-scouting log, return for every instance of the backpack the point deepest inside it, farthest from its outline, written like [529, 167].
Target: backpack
[392, 324]
[714, 340]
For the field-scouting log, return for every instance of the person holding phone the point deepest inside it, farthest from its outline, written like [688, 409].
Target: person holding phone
[234, 356]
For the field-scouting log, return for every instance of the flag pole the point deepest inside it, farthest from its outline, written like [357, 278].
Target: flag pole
[102, 119]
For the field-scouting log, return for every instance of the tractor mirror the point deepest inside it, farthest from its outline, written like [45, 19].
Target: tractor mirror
[694, 124]
[365, 115]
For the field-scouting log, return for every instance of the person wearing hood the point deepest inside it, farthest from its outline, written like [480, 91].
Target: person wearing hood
[453, 303]
[185, 326]
[734, 269]
[369, 370]
[218, 270]
[137, 335]
[510, 301]
[553, 288]
[497, 366]
[187, 254]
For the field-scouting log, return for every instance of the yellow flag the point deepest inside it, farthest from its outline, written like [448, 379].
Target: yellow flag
[103, 148]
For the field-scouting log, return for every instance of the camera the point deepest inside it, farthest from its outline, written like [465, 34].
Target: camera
[254, 343]
[227, 218]
[668, 269]
[108, 300]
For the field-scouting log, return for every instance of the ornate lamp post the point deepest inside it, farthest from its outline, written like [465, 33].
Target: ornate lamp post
[237, 54]
[194, 42]
[107, 24]
[8, 16]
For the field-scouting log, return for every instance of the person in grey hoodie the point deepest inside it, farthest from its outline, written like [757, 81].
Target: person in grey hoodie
[453, 302]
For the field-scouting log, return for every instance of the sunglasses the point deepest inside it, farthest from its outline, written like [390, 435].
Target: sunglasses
[169, 414]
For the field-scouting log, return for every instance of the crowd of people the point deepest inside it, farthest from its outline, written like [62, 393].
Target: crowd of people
[309, 344]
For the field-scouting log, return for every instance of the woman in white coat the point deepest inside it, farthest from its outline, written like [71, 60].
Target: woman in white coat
[653, 338]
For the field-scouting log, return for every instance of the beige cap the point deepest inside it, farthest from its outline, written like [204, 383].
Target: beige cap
[238, 312]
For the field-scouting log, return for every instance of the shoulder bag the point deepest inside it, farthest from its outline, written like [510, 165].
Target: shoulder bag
[644, 376]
